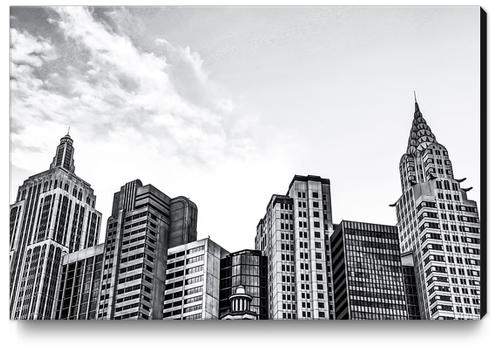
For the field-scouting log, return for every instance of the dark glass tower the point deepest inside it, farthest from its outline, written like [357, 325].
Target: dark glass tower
[54, 214]
[246, 268]
[80, 284]
[367, 272]
[410, 287]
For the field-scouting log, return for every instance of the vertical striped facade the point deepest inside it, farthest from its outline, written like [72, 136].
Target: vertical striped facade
[367, 272]
[80, 284]
[54, 214]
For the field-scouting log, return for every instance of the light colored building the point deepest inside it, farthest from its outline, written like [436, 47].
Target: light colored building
[54, 214]
[142, 225]
[440, 225]
[192, 283]
[294, 235]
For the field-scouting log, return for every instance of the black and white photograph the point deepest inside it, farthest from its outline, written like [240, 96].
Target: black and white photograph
[279, 163]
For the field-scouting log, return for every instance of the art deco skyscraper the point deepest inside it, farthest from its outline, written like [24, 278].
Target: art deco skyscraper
[294, 236]
[144, 223]
[54, 214]
[440, 225]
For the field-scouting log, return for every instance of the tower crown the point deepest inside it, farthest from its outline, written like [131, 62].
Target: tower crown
[420, 134]
[63, 157]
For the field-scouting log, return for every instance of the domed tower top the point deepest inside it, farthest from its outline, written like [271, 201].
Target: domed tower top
[240, 306]
[64, 154]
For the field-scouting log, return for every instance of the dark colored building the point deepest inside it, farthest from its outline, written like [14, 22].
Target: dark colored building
[80, 284]
[410, 286]
[367, 272]
[143, 223]
[246, 268]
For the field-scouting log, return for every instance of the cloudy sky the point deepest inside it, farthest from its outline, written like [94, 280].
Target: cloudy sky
[225, 105]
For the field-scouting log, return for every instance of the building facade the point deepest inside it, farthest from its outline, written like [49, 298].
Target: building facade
[193, 280]
[440, 225]
[54, 214]
[367, 272]
[80, 284]
[246, 269]
[294, 236]
[138, 235]
[409, 279]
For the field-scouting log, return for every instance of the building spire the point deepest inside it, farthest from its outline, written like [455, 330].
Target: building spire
[63, 157]
[68, 132]
[420, 133]
[417, 109]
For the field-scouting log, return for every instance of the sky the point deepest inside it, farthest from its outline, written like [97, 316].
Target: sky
[225, 105]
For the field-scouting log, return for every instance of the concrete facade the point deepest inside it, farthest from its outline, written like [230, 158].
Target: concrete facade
[193, 281]
[294, 235]
[137, 240]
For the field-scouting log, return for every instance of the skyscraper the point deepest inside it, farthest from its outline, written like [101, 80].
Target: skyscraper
[80, 284]
[193, 281]
[248, 269]
[54, 214]
[143, 223]
[367, 272]
[440, 225]
[294, 236]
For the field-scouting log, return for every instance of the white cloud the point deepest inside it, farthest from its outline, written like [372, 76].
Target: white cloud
[154, 115]
[112, 84]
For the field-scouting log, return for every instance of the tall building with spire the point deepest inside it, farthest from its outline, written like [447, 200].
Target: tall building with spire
[440, 226]
[54, 214]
